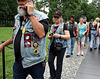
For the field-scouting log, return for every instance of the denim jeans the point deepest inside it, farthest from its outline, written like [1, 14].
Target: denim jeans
[93, 39]
[36, 71]
[86, 38]
[56, 73]
[70, 43]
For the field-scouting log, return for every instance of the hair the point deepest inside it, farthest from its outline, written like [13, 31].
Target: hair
[61, 20]
[81, 18]
[96, 20]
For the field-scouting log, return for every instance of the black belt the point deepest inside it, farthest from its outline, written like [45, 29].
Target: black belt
[93, 29]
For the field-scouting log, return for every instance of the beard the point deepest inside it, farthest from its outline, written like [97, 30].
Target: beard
[21, 10]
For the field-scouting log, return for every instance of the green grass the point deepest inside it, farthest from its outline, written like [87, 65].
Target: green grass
[5, 34]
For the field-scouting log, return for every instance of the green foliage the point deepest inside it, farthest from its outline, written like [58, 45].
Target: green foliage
[8, 9]
[79, 8]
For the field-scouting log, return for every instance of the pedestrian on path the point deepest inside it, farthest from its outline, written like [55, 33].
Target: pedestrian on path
[58, 36]
[94, 33]
[87, 33]
[70, 42]
[99, 37]
[90, 25]
[81, 37]
[29, 41]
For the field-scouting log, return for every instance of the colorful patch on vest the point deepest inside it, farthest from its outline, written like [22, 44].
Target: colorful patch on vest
[60, 31]
[35, 44]
[35, 37]
[27, 40]
[36, 51]
[17, 22]
[23, 31]
[27, 44]
[37, 17]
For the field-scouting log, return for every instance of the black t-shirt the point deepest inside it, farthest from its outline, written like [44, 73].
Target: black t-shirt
[17, 48]
[55, 28]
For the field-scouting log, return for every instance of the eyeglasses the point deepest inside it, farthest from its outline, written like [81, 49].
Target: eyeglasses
[56, 17]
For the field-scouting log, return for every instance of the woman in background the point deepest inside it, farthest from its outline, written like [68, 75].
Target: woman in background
[94, 33]
[58, 36]
[81, 37]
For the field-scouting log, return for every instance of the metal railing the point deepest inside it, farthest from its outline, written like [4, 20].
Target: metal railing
[3, 59]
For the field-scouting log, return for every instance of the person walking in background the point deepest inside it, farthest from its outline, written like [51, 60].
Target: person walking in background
[94, 33]
[87, 33]
[99, 37]
[72, 25]
[58, 36]
[29, 41]
[81, 37]
[90, 25]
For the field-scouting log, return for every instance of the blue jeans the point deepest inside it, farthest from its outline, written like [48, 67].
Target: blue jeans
[93, 39]
[86, 38]
[56, 73]
[36, 71]
[70, 43]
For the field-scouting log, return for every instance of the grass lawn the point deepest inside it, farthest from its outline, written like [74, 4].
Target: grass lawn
[5, 34]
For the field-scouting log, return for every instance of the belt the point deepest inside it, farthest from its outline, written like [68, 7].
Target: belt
[93, 29]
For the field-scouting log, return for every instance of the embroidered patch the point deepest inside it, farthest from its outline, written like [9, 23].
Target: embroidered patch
[37, 17]
[17, 22]
[36, 51]
[27, 44]
[27, 40]
[60, 31]
[23, 31]
[35, 37]
[35, 44]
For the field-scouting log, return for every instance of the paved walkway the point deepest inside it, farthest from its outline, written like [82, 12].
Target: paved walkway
[90, 67]
[70, 65]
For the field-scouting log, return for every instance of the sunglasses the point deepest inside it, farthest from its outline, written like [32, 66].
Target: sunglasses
[56, 17]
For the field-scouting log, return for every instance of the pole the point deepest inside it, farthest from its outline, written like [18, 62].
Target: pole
[3, 61]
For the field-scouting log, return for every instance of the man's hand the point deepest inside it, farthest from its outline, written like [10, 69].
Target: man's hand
[87, 34]
[96, 34]
[30, 7]
[1, 48]
[56, 35]
[76, 37]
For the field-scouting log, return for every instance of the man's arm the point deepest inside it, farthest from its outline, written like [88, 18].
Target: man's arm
[8, 42]
[38, 27]
[88, 29]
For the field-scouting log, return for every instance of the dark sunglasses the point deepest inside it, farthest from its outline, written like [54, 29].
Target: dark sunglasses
[56, 17]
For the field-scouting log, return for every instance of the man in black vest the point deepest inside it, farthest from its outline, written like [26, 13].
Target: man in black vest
[70, 42]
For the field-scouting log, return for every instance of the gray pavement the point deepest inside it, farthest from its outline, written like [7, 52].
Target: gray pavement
[90, 67]
[70, 65]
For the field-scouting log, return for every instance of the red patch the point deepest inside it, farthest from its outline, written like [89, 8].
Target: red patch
[14, 26]
[54, 29]
[37, 17]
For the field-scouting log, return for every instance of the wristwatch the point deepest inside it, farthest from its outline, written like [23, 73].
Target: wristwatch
[60, 37]
[31, 15]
